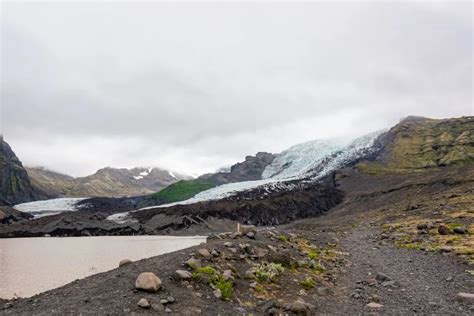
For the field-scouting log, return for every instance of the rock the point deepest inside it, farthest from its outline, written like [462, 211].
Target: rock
[245, 229]
[260, 252]
[250, 235]
[148, 281]
[203, 253]
[235, 235]
[381, 277]
[215, 253]
[388, 283]
[182, 275]
[250, 273]
[422, 226]
[164, 301]
[193, 263]
[272, 248]
[217, 293]
[443, 230]
[171, 299]
[300, 307]
[124, 262]
[465, 297]
[233, 250]
[374, 305]
[2, 215]
[227, 275]
[168, 310]
[372, 282]
[253, 285]
[143, 303]
[384, 236]
[446, 249]
[228, 244]
[324, 291]
[157, 307]
[460, 230]
[449, 279]
[283, 257]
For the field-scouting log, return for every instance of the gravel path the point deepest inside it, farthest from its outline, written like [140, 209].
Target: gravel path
[424, 283]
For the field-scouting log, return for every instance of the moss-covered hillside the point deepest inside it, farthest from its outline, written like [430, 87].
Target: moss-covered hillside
[417, 144]
[182, 190]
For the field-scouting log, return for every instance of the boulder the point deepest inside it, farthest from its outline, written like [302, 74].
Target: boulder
[203, 253]
[124, 262]
[443, 230]
[182, 275]
[465, 297]
[2, 215]
[245, 229]
[148, 281]
[300, 307]
[143, 303]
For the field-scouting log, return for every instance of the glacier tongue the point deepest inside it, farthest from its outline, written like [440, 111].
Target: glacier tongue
[308, 161]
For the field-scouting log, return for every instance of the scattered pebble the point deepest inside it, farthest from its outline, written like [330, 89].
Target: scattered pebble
[143, 303]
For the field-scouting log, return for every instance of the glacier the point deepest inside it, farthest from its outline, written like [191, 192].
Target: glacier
[308, 162]
[49, 207]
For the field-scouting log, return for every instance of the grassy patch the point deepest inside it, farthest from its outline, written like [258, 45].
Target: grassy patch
[313, 254]
[307, 283]
[282, 238]
[267, 272]
[182, 190]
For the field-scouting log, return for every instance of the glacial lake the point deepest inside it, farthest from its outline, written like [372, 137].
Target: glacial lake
[29, 266]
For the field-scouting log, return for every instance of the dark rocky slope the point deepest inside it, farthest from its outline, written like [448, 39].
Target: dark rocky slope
[15, 186]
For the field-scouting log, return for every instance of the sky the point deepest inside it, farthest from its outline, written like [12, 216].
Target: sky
[192, 87]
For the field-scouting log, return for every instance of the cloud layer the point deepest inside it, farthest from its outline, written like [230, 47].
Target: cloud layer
[193, 87]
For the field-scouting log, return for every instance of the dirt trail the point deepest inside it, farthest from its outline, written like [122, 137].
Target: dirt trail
[424, 282]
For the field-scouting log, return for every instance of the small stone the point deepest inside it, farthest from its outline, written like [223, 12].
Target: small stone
[443, 230]
[446, 249]
[217, 293]
[272, 248]
[164, 301]
[449, 279]
[381, 277]
[422, 226]
[233, 250]
[251, 235]
[193, 263]
[157, 307]
[182, 275]
[253, 285]
[228, 244]
[148, 281]
[168, 310]
[388, 283]
[372, 282]
[143, 303]
[227, 275]
[324, 291]
[384, 236]
[300, 307]
[465, 297]
[235, 235]
[215, 253]
[124, 262]
[204, 253]
[460, 230]
[374, 305]
[171, 299]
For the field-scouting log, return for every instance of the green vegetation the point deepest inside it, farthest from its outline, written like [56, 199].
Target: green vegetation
[182, 190]
[282, 238]
[307, 283]
[318, 268]
[267, 272]
[313, 254]
[215, 280]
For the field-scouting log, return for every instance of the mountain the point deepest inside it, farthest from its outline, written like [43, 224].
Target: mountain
[15, 186]
[106, 182]
[250, 169]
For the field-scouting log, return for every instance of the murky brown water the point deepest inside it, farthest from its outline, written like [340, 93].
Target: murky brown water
[29, 266]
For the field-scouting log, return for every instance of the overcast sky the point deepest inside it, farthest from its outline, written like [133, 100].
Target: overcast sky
[193, 87]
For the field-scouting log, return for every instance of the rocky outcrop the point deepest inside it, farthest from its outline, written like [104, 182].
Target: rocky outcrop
[248, 170]
[15, 186]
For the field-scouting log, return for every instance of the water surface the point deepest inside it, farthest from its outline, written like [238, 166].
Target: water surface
[29, 266]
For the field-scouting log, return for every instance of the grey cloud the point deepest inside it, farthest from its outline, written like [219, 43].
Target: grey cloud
[197, 86]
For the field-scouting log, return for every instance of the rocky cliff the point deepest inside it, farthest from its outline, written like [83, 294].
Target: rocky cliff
[15, 186]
